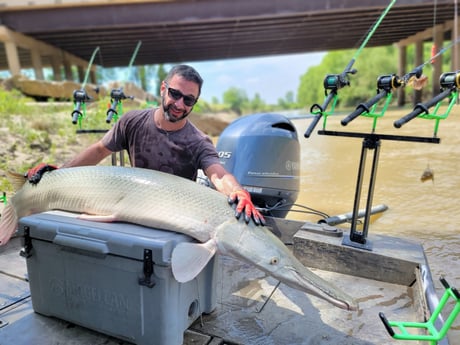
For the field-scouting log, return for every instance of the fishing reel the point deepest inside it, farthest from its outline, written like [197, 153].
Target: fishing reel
[337, 81]
[388, 82]
[80, 96]
[116, 96]
[79, 99]
[450, 80]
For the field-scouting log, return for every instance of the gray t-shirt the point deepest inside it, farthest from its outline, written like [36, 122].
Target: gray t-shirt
[181, 152]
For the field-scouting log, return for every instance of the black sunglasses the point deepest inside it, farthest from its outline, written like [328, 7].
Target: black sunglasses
[189, 101]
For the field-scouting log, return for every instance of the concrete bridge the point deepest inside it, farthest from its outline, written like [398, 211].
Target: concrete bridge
[65, 33]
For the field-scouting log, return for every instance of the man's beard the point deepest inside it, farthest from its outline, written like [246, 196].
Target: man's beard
[169, 117]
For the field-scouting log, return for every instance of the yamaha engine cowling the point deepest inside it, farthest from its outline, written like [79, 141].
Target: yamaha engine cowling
[262, 151]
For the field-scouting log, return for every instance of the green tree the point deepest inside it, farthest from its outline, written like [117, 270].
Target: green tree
[311, 89]
[288, 102]
[372, 63]
[107, 74]
[145, 74]
[257, 104]
[290, 97]
[161, 75]
[236, 99]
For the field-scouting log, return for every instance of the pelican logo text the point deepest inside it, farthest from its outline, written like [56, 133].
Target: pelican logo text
[225, 154]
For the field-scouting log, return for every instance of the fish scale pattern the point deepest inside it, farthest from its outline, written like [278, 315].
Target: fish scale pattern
[133, 195]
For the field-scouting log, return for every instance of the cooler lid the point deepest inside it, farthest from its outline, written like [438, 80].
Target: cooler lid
[121, 239]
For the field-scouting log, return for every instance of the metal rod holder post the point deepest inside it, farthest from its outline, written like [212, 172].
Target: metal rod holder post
[360, 237]
[122, 158]
[371, 141]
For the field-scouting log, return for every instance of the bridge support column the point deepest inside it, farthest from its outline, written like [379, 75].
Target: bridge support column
[56, 67]
[37, 64]
[418, 61]
[12, 57]
[402, 63]
[455, 61]
[437, 63]
[68, 70]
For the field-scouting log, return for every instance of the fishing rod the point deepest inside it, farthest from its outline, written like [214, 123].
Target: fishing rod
[334, 82]
[116, 103]
[386, 84]
[117, 95]
[80, 97]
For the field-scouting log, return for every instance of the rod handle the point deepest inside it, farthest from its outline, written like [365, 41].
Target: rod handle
[112, 111]
[386, 324]
[363, 107]
[319, 110]
[358, 111]
[422, 108]
[312, 126]
[76, 113]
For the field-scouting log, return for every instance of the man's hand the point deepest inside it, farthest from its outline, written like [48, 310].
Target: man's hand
[34, 175]
[245, 204]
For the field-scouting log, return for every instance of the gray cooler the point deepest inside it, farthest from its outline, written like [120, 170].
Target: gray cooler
[114, 278]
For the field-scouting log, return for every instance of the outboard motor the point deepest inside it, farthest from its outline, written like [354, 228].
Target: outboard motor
[262, 151]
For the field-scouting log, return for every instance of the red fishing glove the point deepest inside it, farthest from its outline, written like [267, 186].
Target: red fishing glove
[34, 175]
[245, 204]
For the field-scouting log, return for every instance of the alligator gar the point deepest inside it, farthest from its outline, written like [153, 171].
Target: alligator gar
[164, 201]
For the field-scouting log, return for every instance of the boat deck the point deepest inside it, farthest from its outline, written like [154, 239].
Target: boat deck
[251, 307]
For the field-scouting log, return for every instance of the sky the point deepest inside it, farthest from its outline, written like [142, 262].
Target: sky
[271, 77]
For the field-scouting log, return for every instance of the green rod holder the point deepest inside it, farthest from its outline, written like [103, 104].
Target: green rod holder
[82, 116]
[374, 114]
[325, 114]
[437, 117]
[432, 335]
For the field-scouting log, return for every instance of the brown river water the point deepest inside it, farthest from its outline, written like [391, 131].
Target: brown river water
[428, 212]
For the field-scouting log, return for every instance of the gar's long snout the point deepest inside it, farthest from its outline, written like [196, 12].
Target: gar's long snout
[260, 247]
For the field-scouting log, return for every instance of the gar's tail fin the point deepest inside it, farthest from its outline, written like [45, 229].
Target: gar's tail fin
[8, 224]
[9, 218]
[16, 179]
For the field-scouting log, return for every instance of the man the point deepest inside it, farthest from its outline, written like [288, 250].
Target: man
[164, 139]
